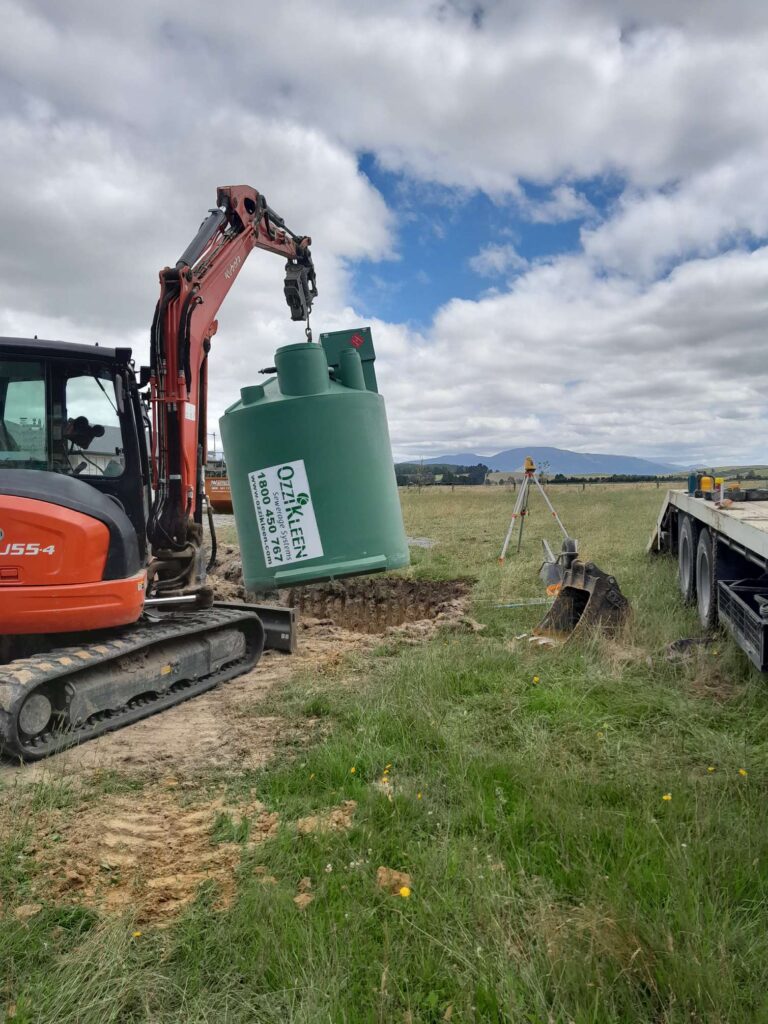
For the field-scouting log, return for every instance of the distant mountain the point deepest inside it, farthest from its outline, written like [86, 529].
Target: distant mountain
[560, 461]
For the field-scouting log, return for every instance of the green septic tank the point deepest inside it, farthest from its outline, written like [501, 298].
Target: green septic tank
[310, 468]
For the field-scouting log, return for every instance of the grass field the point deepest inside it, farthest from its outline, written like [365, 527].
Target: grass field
[585, 828]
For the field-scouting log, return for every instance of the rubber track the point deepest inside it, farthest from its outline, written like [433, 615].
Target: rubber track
[21, 677]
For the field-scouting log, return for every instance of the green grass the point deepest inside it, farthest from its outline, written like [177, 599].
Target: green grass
[550, 880]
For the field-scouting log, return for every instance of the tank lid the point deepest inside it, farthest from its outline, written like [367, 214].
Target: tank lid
[302, 369]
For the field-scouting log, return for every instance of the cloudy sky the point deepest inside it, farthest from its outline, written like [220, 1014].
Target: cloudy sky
[553, 215]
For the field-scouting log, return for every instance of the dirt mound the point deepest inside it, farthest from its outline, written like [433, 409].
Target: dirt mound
[226, 577]
[148, 852]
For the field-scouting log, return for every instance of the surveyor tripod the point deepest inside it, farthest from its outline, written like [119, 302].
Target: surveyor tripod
[521, 507]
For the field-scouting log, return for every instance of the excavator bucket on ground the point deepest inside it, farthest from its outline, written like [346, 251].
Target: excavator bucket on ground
[588, 597]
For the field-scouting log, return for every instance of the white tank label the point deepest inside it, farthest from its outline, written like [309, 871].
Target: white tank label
[285, 514]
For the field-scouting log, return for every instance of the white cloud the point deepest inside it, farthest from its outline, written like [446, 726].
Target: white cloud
[722, 206]
[494, 260]
[564, 204]
[547, 91]
[673, 368]
[90, 217]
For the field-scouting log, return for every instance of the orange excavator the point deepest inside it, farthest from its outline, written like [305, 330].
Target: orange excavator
[105, 613]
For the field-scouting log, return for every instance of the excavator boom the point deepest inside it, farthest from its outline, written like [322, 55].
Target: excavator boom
[183, 326]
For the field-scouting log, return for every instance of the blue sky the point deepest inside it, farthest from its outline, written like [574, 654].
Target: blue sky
[438, 231]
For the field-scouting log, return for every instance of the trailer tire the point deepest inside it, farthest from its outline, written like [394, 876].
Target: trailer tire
[686, 558]
[706, 579]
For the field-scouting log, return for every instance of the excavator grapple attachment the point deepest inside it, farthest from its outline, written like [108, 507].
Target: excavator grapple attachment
[587, 598]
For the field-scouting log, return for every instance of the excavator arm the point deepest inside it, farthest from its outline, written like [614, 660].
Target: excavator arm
[184, 323]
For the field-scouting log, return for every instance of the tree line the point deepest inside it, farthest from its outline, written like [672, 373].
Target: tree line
[410, 473]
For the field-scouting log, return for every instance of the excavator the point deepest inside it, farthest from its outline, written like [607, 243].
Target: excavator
[106, 615]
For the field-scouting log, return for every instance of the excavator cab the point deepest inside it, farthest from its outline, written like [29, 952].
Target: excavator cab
[73, 488]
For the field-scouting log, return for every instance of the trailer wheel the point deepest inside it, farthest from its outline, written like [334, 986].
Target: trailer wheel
[706, 579]
[686, 547]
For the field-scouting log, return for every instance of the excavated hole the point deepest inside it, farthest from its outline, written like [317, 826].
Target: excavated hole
[372, 604]
[361, 604]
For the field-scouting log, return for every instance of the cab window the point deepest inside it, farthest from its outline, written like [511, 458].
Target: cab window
[23, 420]
[91, 431]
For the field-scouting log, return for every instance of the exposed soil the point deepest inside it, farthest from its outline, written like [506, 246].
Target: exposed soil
[338, 819]
[364, 604]
[391, 880]
[373, 604]
[227, 575]
[147, 852]
[221, 729]
[213, 729]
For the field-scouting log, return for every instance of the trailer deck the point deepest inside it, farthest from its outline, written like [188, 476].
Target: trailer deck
[743, 526]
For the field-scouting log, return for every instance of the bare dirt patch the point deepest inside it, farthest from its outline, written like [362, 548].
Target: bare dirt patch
[337, 819]
[391, 880]
[227, 575]
[147, 852]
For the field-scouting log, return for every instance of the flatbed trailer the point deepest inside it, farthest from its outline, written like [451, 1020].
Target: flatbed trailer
[722, 555]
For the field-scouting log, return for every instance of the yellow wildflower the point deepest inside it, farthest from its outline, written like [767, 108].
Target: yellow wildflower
[743, 772]
[352, 770]
[667, 797]
[136, 935]
[536, 679]
[418, 796]
[711, 768]
[404, 891]
[387, 766]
